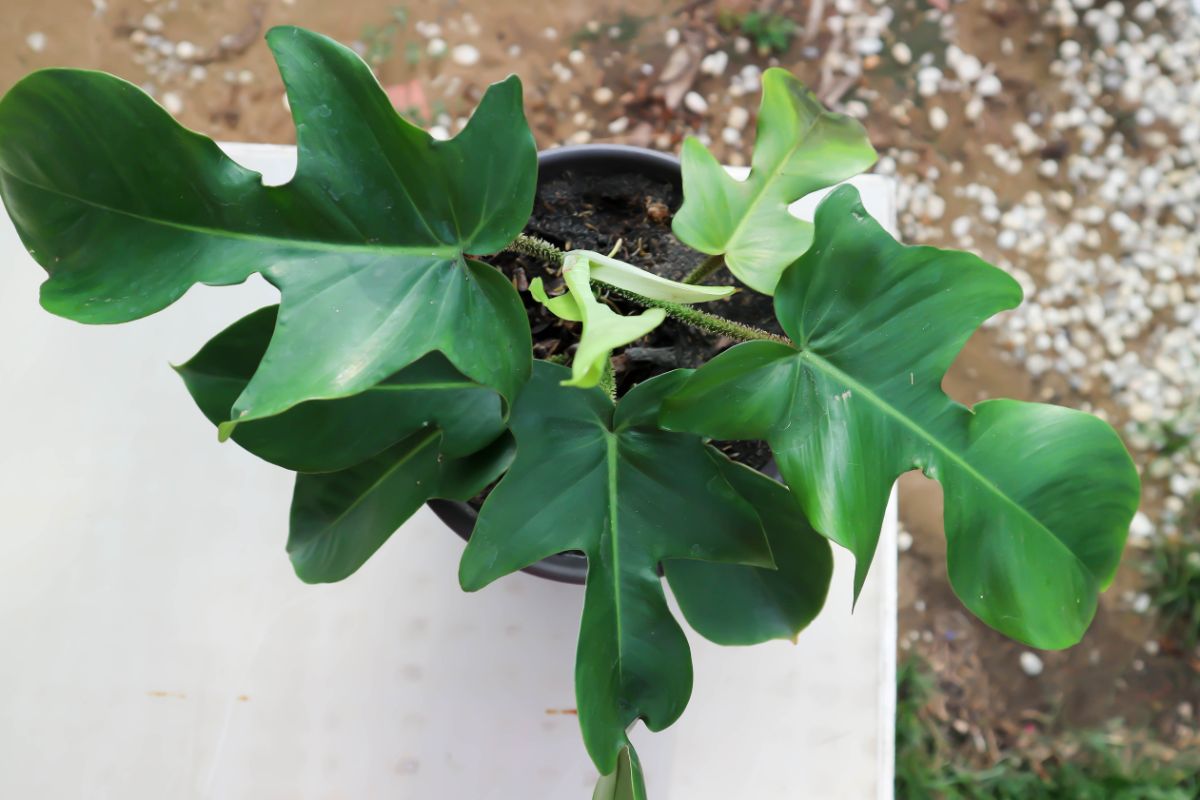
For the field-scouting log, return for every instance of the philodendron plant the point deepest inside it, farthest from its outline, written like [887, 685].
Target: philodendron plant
[397, 367]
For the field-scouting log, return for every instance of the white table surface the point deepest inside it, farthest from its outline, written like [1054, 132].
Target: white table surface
[157, 646]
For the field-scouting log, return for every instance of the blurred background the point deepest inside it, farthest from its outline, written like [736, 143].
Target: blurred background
[1059, 139]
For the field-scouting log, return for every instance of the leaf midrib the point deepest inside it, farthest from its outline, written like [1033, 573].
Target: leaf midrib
[821, 365]
[611, 456]
[773, 175]
[424, 442]
[440, 251]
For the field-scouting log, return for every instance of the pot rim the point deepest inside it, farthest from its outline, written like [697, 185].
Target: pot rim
[460, 517]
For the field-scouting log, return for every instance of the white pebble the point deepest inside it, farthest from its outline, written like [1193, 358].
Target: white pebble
[173, 103]
[695, 103]
[602, 96]
[152, 23]
[938, 118]
[902, 53]
[466, 55]
[989, 86]
[715, 63]
[576, 57]
[1031, 664]
[904, 541]
[738, 117]
[436, 47]
[36, 41]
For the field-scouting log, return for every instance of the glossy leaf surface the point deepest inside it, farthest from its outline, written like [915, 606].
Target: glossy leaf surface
[732, 604]
[126, 210]
[1038, 498]
[800, 147]
[610, 483]
[339, 519]
[330, 435]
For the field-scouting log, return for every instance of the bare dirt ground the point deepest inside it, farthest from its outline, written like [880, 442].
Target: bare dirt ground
[649, 73]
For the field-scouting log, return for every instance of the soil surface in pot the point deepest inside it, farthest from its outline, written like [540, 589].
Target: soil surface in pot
[593, 211]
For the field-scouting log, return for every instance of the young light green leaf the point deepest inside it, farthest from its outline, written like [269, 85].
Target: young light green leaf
[625, 782]
[126, 210]
[563, 306]
[756, 604]
[613, 485]
[634, 279]
[800, 148]
[339, 519]
[603, 329]
[331, 435]
[1038, 498]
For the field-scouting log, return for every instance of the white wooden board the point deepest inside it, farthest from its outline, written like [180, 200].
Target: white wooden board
[156, 645]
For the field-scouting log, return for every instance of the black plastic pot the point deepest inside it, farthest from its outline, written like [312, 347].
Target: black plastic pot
[583, 159]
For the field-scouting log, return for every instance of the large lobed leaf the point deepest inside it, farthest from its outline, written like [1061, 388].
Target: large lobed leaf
[607, 481]
[126, 210]
[332, 435]
[800, 147]
[368, 461]
[1038, 498]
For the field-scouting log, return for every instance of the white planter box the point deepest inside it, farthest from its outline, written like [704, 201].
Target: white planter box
[157, 645]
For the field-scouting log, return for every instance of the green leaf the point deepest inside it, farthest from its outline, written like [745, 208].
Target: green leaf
[634, 279]
[339, 519]
[330, 435]
[610, 483]
[126, 210]
[1038, 498]
[800, 148]
[731, 604]
[603, 329]
[625, 782]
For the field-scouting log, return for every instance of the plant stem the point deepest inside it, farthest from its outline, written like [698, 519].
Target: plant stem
[711, 323]
[707, 267]
[537, 248]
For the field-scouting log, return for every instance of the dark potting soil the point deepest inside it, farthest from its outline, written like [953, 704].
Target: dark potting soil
[593, 212]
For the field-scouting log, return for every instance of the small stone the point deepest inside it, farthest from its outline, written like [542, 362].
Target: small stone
[671, 37]
[439, 132]
[152, 23]
[173, 103]
[602, 96]
[989, 86]
[738, 117]
[185, 50]
[466, 55]
[36, 41]
[731, 136]
[695, 103]
[938, 118]
[436, 47]
[1141, 603]
[902, 53]
[618, 125]
[715, 63]
[576, 57]
[1031, 664]
[869, 46]
[245, 77]
[904, 541]
[1141, 527]
[741, 45]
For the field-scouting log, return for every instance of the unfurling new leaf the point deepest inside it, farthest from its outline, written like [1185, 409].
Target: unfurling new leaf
[800, 148]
